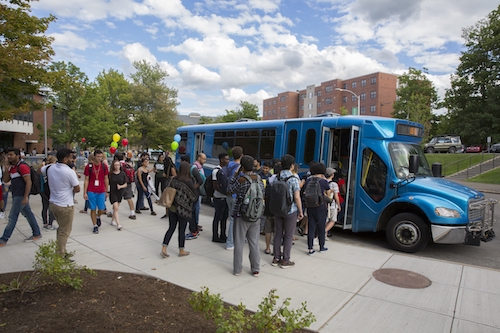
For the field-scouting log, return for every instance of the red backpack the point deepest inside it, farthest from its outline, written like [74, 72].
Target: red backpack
[129, 171]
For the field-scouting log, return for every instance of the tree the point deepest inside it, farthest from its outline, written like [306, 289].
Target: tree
[248, 110]
[25, 52]
[417, 97]
[473, 101]
[206, 120]
[155, 106]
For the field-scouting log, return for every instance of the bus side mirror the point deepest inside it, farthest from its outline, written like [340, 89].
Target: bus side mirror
[437, 169]
[414, 163]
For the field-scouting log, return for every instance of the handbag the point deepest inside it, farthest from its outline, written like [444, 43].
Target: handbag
[167, 196]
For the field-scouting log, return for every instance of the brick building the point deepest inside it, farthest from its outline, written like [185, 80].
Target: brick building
[376, 93]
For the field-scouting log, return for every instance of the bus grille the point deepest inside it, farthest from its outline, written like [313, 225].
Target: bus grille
[481, 215]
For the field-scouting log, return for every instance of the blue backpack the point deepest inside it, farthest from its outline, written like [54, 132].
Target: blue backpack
[223, 177]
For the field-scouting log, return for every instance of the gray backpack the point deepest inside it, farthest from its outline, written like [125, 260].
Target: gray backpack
[252, 207]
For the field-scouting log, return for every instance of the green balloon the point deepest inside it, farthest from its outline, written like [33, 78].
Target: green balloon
[174, 145]
[114, 144]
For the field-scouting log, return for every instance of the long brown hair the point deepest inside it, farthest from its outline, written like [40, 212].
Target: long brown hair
[184, 171]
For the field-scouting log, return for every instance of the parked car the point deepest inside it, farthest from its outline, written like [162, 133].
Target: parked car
[475, 149]
[448, 143]
[495, 148]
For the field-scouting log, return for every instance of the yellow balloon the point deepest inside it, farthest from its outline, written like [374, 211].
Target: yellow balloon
[116, 137]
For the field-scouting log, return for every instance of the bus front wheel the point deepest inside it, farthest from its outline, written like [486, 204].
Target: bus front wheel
[407, 233]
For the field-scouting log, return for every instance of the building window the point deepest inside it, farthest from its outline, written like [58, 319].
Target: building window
[329, 89]
[302, 96]
[318, 93]
[374, 80]
[319, 104]
[328, 101]
[282, 98]
[373, 94]
[373, 108]
[353, 85]
[353, 98]
[363, 83]
[302, 107]
[310, 95]
[282, 109]
[362, 110]
[274, 111]
[344, 86]
[344, 99]
[362, 96]
[274, 102]
[309, 106]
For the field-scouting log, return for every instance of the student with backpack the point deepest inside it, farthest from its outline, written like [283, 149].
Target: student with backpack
[219, 200]
[315, 189]
[47, 215]
[227, 173]
[248, 207]
[286, 205]
[198, 181]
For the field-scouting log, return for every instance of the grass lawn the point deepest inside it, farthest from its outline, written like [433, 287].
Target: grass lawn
[453, 163]
[490, 177]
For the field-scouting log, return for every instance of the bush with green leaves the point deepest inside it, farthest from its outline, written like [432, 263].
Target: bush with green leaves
[269, 318]
[49, 268]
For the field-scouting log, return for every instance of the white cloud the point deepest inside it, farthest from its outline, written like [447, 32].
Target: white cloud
[110, 25]
[197, 75]
[69, 40]
[137, 52]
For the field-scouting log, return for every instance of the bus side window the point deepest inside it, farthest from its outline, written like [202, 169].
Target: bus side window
[309, 148]
[374, 175]
[292, 142]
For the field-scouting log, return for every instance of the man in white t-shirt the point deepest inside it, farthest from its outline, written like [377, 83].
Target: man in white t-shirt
[63, 183]
[220, 205]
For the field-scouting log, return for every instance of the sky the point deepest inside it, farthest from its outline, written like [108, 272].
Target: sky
[220, 52]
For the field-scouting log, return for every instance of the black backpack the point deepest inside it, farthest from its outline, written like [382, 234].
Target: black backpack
[44, 181]
[313, 194]
[209, 185]
[278, 197]
[36, 183]
[223, 177]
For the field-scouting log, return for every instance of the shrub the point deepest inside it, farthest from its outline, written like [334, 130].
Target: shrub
[49, 268]
[268, 318]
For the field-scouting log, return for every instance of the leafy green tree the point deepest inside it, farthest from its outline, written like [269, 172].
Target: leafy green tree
[473, 101]
[68, 89]
[154, 111]
[417, 97]
[25, 52]
[206, 120]
[248, 110]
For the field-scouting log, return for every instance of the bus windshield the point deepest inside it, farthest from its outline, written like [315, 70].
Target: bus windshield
[400, 155]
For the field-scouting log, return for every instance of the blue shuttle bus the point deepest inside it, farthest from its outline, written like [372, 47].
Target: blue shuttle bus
[389, 183]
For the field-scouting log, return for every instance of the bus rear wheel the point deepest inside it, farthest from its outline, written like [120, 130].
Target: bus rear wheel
[407, 232]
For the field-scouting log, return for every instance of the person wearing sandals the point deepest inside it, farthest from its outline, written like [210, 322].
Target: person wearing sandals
[142, 189]
[182, 209]
[117, 185]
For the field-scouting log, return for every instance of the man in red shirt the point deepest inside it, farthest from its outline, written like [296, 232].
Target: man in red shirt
[95, 188]
[19, 174]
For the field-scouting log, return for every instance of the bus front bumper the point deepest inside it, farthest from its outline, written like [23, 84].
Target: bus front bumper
[448, 235]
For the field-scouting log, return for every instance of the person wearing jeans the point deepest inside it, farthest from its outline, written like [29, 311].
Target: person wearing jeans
[19, 174]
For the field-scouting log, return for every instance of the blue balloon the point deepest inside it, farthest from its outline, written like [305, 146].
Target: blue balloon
[177, 138]
[225, 145]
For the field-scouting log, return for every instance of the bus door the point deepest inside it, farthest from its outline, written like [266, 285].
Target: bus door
[302, 140]
[199, 144]
[351, 178]
[325, 155]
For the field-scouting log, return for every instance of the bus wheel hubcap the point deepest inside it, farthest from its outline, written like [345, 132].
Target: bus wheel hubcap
[407, 233]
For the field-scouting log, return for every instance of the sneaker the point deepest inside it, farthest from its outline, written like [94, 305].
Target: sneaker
[119, 227]
[96, 230]
[275, 262]
[311, 252]
[137, 211]
[49, 227]
[255, 274]
[191, 236]
[113, 223]
[164, 216]
[98, 222]
[132, 217]
[83, 211]
[2, 243]
[323, 249]
[200, 228]
[2, 215]
[153, 213]
[287, 264]
[144, 208]
[237, 274]
[33, 238]
[229, 248]
[109, 214]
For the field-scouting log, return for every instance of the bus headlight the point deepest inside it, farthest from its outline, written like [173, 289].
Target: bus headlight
[446, 212]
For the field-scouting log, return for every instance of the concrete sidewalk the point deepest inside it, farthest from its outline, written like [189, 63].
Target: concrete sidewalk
[338, 284]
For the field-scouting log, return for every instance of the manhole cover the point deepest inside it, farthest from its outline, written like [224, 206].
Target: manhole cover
[401, 278]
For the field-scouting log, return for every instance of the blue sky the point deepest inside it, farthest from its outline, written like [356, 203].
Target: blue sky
[218, 53]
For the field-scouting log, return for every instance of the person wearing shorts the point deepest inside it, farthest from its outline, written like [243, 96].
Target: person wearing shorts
[95, 189]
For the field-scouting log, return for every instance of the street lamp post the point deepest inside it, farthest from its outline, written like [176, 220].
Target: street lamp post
[339, 89]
